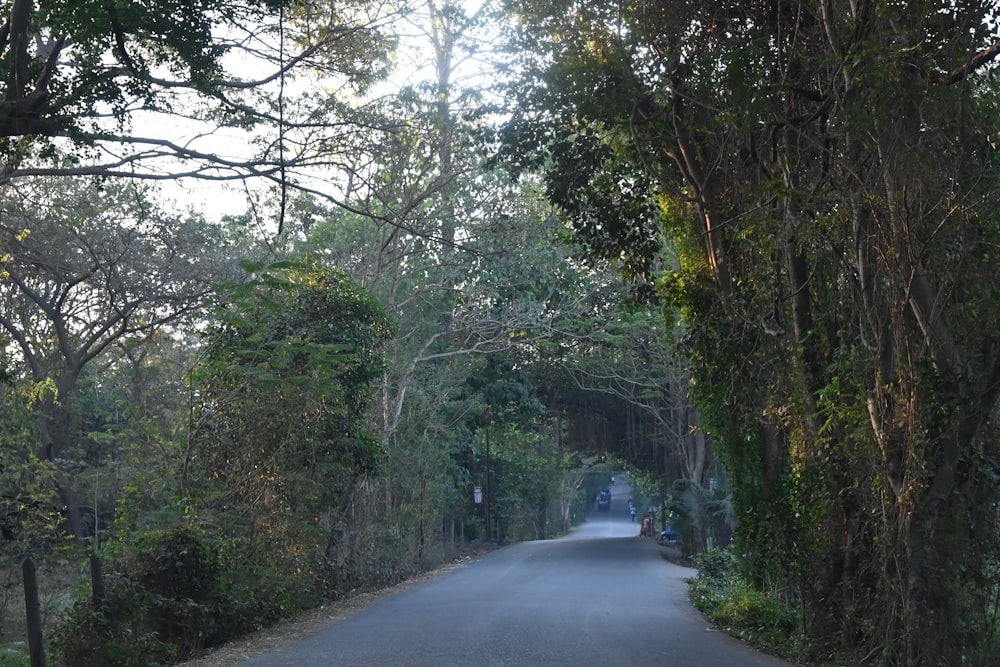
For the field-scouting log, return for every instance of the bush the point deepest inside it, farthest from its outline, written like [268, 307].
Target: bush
[762, 618]
[171, 597]
[179, 564]
[177, 575]
[13, 658]
[717, 568]
[114, 636]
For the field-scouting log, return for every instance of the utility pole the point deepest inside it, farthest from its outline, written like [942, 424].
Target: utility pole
[489, 492]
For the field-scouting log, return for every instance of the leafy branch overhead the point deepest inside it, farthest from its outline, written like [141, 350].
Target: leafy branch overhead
[55, 57]
[128, 88]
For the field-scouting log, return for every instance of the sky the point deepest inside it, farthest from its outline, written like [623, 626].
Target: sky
[215, 199]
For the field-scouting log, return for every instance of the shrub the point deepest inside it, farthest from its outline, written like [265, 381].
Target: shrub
[13, 658]
[114, 636]
[177, 575]
[170, 597]
[762, 618]
[178, 564]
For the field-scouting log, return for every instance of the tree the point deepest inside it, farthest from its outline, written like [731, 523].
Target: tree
[438, 249]
[284, 389]
[90, 269]
[29, 519]
[821, 170]
[189, 88]
[622, 356]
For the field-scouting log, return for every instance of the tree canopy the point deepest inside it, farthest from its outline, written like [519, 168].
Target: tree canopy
[820, 171]
[742, 250]
[203, 89]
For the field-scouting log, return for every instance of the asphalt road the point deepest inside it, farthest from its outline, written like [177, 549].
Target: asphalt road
[601, 597]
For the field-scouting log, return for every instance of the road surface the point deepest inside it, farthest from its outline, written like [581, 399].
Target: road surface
[601, 597]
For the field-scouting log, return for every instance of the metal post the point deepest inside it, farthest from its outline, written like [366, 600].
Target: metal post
[489, 493]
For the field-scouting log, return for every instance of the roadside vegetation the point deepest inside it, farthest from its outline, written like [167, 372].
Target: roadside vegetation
[298, 299]
[762, 616]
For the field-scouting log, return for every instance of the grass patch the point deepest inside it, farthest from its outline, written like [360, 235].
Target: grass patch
[14, 655]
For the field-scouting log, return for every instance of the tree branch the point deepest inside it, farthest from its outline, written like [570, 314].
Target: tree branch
[959, 73]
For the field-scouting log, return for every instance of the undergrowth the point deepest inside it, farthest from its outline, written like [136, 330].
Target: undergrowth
[13, 657]
[761, 618]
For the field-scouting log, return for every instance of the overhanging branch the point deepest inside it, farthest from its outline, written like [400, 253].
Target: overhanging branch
[960, 73]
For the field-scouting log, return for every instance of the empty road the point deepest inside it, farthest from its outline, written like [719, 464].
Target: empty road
[601, 597]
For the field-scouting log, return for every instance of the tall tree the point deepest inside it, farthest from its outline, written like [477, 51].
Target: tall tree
[438, 249]
[86, 269]
[280, 437]
[822, 170]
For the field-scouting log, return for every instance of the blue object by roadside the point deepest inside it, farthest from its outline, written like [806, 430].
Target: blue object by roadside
[669, 535]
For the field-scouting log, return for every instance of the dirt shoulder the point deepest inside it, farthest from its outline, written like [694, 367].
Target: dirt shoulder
[314, 620]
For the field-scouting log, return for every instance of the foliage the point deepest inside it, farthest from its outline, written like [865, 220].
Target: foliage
[284, 387]
[382, 560]
[88, 638]
[525, 469]
[831, 281]
[93, 273]
[103, 75]
[763, 619]
[171, 592]
[277, 476]
[472, 268]
[284, 383]
[281, 438]
[13, 658]
[29, 511]
[149, 42]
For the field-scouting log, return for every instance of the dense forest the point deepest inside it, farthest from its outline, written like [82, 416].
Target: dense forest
[301, 298]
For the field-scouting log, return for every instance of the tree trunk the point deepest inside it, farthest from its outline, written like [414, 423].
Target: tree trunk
[98, 594]
[32, 608]
[67, 496]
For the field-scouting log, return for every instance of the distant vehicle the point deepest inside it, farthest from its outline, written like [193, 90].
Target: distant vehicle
[669, 535]
[604, 501]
